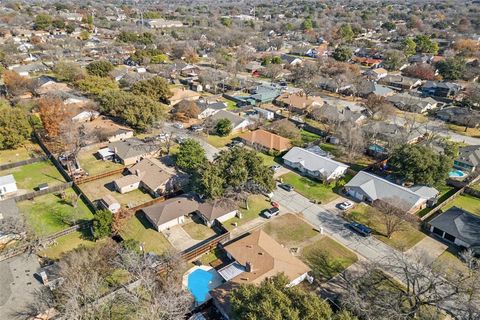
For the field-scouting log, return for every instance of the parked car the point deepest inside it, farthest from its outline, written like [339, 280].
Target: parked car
[345, 205]
[273, 211]
[178, 125]
[275, 167]
[268, 194]
[286, 186]
[235, 143]
[360, 229]
[196, 128]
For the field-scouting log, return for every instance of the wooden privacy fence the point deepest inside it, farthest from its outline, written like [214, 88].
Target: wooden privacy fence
[82, 180]
[22, 163]
[52, 189]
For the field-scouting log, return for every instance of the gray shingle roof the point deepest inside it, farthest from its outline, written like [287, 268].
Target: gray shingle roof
[132, 147]
[378, 188]
[459, 223]
[469, 155]
[312, 161]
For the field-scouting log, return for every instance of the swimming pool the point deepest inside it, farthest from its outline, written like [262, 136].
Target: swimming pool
[200, 280]
[456, 174]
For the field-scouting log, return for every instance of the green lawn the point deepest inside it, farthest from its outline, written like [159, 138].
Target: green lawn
[450, 263]
[29, 176]
[471, 132]
[48, 214]
[26, 151]
[198, 230]
[267, 160]
[400, 240]
[289, 230]
[64, 244]
[466, 202]
[307, 137]
[138, 228]
[94, 166]
[256, 204]
[313, 190]
[220, 142]
[327, 258]
[333, 149]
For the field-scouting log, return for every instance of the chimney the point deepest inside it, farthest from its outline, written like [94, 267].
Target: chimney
[249, 266]
[137, 172]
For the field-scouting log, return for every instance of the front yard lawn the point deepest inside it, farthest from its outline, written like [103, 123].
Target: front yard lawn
[327, 258]
[400, 240]
[94, 166]
[313, 190]
[267, 160]
[138, 228]
[197, 230]
[66, 243]
[289, 230]
[29, 176]
[256, 204]
[466, 202]
[48, 214]
[450, 263]
[220, 142]
[471, 132]
[26, 151]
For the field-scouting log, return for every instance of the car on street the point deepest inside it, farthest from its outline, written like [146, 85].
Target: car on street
[275, 167]
[286, 186]
[345, 205]
[360, 229]
[273, 211]
[196, 128]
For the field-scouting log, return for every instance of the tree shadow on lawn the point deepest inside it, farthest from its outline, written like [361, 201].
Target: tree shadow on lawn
[323, 267]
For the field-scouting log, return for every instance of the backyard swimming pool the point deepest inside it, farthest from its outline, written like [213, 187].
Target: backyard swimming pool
[200, 280]
[456, 174]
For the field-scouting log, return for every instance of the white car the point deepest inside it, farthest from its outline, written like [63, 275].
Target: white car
[345, 205]
[178, 125]
[275, 167]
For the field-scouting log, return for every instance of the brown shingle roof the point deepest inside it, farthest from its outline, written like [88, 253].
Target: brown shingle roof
[266, 258]
[296, 100]
[216, 209]
[152, 172]
[267, 139]
[171, 209]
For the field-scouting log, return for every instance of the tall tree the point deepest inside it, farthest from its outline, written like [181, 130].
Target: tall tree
[342, 54]
[420, 164]
[15, 83]
[100, 68]
[451, 68]
[223, 127]
[68, 71]
[102, 224]
[42, 21]
[14, 127]
[52, 113]
[190, 156]
[409, 47]
[155, 88]
[274, 299]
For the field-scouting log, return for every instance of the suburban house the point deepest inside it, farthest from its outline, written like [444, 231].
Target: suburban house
[407, 102]
[172, 211]
[128, 151]
[264, 113]
[290, 60]
[368, 62]
[400, 82]
[339, 113]
[255, 257]
[440, 89]
[369, 187]
[108, 202]
[120, 134]
[264, 94]
[209, 109]
[266, 141]
[371, 87]
[468, 158]
[150, 175]
[314, 165]
[297, 102]
[180, 94]
[376, 74]
[160, 23]
[239, 124]
[7, 185]
[461, 116]
[459, 227]
[220, 210]
[391, 133]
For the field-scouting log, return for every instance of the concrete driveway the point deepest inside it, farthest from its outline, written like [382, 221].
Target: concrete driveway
[428, 249]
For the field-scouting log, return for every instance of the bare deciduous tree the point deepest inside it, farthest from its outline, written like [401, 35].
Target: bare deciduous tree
[394, 215]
